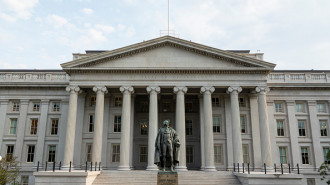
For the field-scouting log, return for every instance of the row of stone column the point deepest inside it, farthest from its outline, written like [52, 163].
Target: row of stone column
[206, 126]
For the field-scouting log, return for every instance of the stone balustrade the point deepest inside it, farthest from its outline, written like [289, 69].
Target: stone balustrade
[299, 77]
[34, 76]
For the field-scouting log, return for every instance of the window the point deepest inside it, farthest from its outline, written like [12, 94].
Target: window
[51, 153]
[117, 124]
[246, 158]
[30, 154]
[279, 107]
[143, 154]
[189, 154]
[280, 127]
[300, 107]
[15, 106]
[34, 127]
[189, 127]
[310, 181]
[118, 101]
[36, 107]
[241, 102]
[167, 107]
[89, 151]
[91, 123]
[25, 180]
[189, 107]
[54, 127]
[144, 106]
[325, 151]
[243, 124]
[218, 154]
[304, 155]
[115, 157]
[10, 151]
[92, 101]
[56, 107]
[320, 107]
[302, 127]
[13, 125]
[215, 102]
[216, 124]
[283, 156]
[144, 127]
[323, 127]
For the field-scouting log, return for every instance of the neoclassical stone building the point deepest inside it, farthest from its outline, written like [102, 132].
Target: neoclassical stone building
[106, 106]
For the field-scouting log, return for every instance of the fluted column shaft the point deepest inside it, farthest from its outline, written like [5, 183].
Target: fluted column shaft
[153, 126]
[98, 124]
[208, 129]
[264, 127]
[125, 128]
[236, 125]
[180, 122]
[71, 125]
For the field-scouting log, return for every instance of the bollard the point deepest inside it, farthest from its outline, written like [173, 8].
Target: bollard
[243, 167]
[289, 168]
[282, 168]
[54, 166]
[265, 168]
[70, 166]
[234, 168]
[298, 168]
[95, 165]
[38, 166]
[99, 166]
[248, 168]
[46, 166]
[59, 168]
[91, 166]
[238, 167]
[86, 167]
[275, 167]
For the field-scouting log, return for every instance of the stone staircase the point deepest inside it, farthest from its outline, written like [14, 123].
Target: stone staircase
[137, 177]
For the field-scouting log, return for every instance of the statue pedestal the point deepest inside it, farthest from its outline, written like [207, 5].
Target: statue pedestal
[167, 178]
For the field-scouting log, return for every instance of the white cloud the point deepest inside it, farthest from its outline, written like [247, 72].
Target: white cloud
[58, 21]
[87, 11]
[6, 65]
[97, 35]
[104, 28]
[21, 9]
[7, 17]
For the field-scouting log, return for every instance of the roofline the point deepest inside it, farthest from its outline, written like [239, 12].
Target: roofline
[32, 70]
[301, 70]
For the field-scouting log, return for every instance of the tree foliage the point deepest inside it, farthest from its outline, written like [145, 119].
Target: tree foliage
[324, 168]
[9, 170]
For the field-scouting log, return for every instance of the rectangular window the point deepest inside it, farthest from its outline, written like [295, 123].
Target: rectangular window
[30, 154]
[91, 123]
[245, 151]
[241, 102]
[325, 152]
[13, 125]
[117, 124]
[144, 106]
[34, 127]
[115, 157]
[118, 101]
[189, 127]
[143, 154]
[304, 155]
[280, 127]
[15, 107]
[51, 153]
[218, 154]
[89, 151]
[54, 127]
[320, 107]
[25, 180]
[144, 127]
[56, 107]
[10, 151]
[92, 101]
[215, 102]
[243, 124]
[216, 124]
[323, 127]
[36, 107]
[300, 107]
[279, 107]
[302, 127]
[310, 181]
[189, 154]
[189, 107]
[283, 156]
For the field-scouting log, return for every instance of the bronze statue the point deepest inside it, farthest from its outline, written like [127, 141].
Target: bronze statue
[167, 147]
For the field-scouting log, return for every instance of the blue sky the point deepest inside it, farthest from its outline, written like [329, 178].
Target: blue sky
[42, 34]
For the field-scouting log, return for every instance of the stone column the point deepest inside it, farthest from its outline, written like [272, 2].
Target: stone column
[42, 131]
[22, 122]
[125, 128]
[153, 126]
[229, 134]
[180, 122]
[293, 129]
[71, 125]
[201, 119]
[255, 131]
[208, 129]
[236, 125]
[98, 125]
[3, 112]
[266, 153]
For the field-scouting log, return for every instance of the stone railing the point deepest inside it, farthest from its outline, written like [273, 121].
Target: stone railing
[299, 77]
[34, 76]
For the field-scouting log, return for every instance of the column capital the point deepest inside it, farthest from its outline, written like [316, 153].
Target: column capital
[179, 89]
[207, 89]
[236, 89]
[262, 89]
[72, 89]
[126, 89]
[101, 89]
[151, 89]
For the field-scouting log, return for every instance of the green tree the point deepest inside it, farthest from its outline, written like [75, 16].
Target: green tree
[9, 170]
[324, 168]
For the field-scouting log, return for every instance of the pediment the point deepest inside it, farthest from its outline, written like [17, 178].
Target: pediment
[167, 53]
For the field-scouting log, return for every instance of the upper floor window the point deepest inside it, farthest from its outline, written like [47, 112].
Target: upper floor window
[34, 127]
[56, 107]
[242, 102]
[118, 101]
[280, 127]
[91, 123]
[304, 155]
[143, 154]
[216, 124]
[10, 151]
[279, 107]
[302, 127]
[13, 125]
[283, 155]
[115, 156]
[54, 127]
[218, 154]
[189, 107]
[144, 127]
[15, 107]
[243, 124]
[300, 107]
[92, 101]
[189, 154]
[325, 152]
[36, 107]
[320, 107]
[51, 153]
[89, 152]
[117, 124]
[215, 102]
[30, 154]
[189, 127]
[323, 128]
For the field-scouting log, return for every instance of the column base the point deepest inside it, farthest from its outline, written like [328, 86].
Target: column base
[210, 169]
[124, 168]
[152, 168]
[181, 168]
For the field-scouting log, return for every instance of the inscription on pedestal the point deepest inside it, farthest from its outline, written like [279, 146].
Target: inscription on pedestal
[167, 178]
